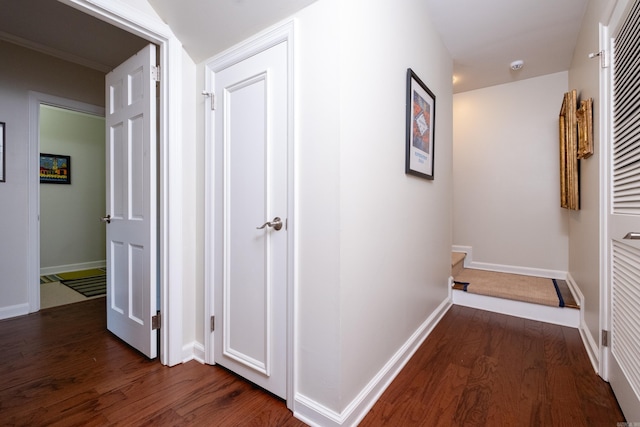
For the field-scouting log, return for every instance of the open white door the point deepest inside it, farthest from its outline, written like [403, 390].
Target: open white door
[250, 291]
[624, 214]
[131, 201]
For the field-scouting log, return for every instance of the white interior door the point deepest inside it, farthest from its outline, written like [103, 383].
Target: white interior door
[250, 291]
[624, 216]
[131, 201]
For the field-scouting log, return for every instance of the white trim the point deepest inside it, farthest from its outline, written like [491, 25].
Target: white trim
[316, 414]
[502, 268]
[14, 311]
[604, 197]
[590, 345]
[193, 351]
[151, 28]
[467, 250]
[72, 267]
[283, 32]
[563, 316]
[514, 269]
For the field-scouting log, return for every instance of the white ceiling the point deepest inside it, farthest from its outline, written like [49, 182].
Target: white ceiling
[206, 28]
[483, 36]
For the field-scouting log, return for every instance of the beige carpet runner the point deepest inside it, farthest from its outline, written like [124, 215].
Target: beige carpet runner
[517, 287]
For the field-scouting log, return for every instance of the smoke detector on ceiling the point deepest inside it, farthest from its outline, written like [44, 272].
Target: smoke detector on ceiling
[516, 65]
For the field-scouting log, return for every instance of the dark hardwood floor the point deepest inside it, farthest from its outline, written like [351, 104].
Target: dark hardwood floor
[478, 368]
[61, 367]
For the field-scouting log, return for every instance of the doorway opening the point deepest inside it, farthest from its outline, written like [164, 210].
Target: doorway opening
[72, 196]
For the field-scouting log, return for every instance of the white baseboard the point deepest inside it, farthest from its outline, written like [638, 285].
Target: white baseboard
[590, 344]
[557, 315]
[72, 267]
[315, 414]
[14, 311]
[501, 268]
[514, 269]
[467, 250]
[193, 351]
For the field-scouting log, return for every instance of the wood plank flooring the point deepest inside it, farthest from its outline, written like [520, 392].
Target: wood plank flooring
[61, 367]
[479, 368]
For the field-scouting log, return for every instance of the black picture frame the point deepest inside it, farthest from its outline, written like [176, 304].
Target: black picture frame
[55, 169]
[420, 128]
[3, 149]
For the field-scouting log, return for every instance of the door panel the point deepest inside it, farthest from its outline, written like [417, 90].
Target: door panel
[624, 215]
[250, 297]
[131, 201]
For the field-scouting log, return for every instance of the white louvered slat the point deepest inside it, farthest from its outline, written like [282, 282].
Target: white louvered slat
[626, 143]
[625, 344]
[623, 284]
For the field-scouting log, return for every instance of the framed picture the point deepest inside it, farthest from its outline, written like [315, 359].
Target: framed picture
[421, 120]
[3, 163]
[55, 169]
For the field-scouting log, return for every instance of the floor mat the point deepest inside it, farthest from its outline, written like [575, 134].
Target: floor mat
[88, 286]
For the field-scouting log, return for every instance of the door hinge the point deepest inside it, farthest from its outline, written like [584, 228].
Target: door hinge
[155, 73]
[213, 323]
[156, 321]
[604, 58]
[212, 99]
[605, 338]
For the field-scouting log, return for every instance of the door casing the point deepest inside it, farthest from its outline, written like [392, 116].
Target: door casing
[170, 204]
[256, 44]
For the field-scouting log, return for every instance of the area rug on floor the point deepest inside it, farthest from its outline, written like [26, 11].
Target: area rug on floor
[517, 287]
[88, 286]
[70, 275]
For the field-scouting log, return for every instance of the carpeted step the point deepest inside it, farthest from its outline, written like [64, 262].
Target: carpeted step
[537, 290]
[457, 262]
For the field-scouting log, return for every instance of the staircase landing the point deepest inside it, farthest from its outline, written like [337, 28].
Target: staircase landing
[569, 315]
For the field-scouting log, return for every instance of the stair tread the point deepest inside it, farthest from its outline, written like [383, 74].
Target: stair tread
[563, 288]
[456, 257]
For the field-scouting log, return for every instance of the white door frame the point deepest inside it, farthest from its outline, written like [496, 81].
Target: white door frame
[263, 41]
[170, 262]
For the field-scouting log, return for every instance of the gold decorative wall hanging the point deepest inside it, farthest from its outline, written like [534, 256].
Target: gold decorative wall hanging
[569, 173]
[585, 129]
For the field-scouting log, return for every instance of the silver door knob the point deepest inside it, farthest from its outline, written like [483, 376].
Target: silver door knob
[106, 219]
[632, 235]
[276, 223]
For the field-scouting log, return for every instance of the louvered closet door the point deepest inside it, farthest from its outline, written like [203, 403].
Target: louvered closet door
[624, 219]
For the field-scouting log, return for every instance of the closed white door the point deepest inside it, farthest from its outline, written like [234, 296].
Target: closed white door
[250, 290]
[131, 201]
[624, 217]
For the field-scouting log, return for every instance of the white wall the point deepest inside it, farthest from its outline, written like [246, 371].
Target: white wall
[41, 73]
[396, 229]
[584, 225]
[374, 243]
[506, 188]
[70, 232]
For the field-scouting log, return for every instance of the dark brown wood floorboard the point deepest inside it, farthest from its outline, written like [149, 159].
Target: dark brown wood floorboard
[61, 367]
[497, 370]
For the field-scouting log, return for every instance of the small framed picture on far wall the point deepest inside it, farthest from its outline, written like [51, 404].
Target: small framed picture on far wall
[55, 169]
